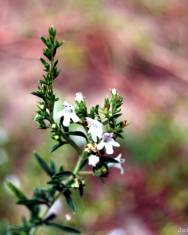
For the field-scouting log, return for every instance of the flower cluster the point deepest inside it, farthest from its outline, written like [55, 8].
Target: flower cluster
[99, 126]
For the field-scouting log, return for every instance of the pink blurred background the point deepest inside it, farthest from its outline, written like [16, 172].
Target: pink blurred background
[138, 47]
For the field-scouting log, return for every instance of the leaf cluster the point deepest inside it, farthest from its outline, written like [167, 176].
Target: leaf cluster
[45, 87]
[61, 183]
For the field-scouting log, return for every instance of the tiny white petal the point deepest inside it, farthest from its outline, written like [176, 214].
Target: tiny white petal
[95, 128]
[67, 114]
[66, 121]
[75, 118]
[93, 135]
[119, 158]
[115, 143]
[79, 97]
[100, 145]
[93, 160]
[114, 91]
[109, 148]
[118, 164]
[108, 142]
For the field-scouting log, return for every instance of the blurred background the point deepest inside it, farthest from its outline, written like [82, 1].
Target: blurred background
[138, 47]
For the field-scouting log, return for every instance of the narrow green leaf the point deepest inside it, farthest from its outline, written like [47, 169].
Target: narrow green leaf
[31, 202]
[52, 31]
[17, 192]
[58, 145]
[43, 39]
[69, 200]
[52, 167]
[115, 116]
[38, 94]
[43, 165]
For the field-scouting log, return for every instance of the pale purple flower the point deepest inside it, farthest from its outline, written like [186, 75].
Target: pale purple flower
[93, 160]
[118, 164]
[95, 128]
[68, 114]
[108, 143]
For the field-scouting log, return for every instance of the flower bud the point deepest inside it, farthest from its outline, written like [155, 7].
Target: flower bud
[56, 137]
[114, 91]
[54, 126]
[100, 170]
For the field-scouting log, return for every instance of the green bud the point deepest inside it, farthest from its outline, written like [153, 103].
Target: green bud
[100, 170]
[56, 137]
[54, 126]
[52, 31]
[41, 106]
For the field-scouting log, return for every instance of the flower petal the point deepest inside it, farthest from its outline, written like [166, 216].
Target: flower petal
[109, 148]
[79, 97]
[118, 164]
[74, 117]
[93, 136]
[99, 132]
[66, 120]
[93, 160]
[100, 145]
[114, 143]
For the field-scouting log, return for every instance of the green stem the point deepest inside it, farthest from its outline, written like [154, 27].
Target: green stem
[79, 163]
[86, 173]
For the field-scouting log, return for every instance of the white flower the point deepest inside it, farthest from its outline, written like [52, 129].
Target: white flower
[118, 164]
[68, 114]
[108, 143]
[79, 97]
[56, 208]
[114, 91]
[95, 128]
[93, 160]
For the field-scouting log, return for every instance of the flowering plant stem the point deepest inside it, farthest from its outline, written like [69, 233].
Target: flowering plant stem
[99, 127]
